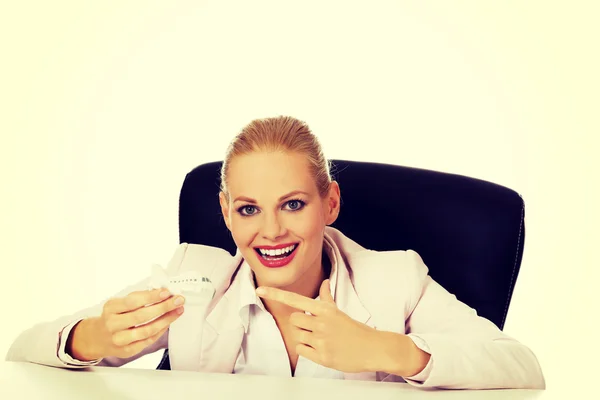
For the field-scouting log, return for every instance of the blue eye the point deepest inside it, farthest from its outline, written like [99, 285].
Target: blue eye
[296, 204]
[292, 205]
[247, 210]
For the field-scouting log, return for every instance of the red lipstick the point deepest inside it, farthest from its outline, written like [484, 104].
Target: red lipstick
[277, 261]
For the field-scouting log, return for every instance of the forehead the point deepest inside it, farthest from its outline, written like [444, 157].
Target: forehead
[268, 175]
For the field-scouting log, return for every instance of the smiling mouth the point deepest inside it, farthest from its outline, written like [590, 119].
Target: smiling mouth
[271, 255]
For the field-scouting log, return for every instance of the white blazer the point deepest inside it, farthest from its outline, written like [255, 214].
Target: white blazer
[390, 291]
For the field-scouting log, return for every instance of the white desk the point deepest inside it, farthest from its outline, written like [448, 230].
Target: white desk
[29, 381]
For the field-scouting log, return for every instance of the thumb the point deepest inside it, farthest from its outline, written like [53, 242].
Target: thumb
[325, 292]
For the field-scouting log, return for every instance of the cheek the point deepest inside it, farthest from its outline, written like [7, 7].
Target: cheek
[243, 231]
[310, 225]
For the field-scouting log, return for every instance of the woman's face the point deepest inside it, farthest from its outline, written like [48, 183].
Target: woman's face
[277, 218]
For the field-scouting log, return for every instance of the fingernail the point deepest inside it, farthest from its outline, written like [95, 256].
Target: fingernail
[179, 301]
[164, 294]
[180, 310]
[261, 291]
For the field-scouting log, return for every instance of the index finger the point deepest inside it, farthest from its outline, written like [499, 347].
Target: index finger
[291, 299]
[135, 300]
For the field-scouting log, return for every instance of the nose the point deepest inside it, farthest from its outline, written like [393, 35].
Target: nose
[272, 228]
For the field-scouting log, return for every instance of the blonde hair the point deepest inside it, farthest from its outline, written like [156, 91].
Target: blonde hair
[280, 134]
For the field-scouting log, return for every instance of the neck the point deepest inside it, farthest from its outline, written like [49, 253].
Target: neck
[308, 286]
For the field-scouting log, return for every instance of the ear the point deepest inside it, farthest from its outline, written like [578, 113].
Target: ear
[224, 201]
[332, 206]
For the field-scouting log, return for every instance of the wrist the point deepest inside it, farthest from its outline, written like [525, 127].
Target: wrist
[396, 354]
[80, 344]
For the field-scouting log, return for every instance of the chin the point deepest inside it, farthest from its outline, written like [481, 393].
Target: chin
[277, 282]
[279, 277]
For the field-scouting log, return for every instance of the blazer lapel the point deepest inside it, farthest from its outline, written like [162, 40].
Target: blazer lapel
[221, 338]
[352, 306]
[347, 301]
[346, 297]
[193, 337]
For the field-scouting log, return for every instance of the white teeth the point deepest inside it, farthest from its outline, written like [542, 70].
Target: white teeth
[277, 252]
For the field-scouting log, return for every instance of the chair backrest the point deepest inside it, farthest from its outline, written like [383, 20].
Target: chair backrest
[469, 232]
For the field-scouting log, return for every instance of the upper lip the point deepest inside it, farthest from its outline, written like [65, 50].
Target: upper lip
[279, 246]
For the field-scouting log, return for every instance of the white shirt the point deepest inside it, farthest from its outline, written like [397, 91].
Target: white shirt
[263, 350]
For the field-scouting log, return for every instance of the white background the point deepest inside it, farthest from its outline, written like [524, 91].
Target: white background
[105, 106]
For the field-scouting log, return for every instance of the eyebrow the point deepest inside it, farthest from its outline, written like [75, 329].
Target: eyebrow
[285, 196]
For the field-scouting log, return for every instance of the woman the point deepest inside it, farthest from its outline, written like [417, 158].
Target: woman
[298, 298]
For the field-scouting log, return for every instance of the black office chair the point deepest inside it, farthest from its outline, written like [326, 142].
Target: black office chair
[469, 232]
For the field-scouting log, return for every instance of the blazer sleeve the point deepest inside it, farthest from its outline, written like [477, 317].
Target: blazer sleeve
[42, 343]
[467, 350]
